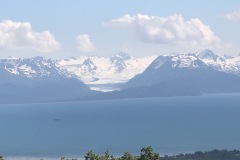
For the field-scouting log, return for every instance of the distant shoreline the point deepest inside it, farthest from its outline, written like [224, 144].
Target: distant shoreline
[203, 155]
[90, 100]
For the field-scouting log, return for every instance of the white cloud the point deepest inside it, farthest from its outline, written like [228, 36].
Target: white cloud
[168, 30]
[84, 43]
[232, 16]
[19, 35]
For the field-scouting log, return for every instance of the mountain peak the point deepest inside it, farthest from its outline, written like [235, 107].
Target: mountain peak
[34, 67]
[89, 63]
[189, 60]
[208, 55]
[122, 55]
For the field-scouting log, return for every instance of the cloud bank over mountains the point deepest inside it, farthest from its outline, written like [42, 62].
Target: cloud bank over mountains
[19, 35]
[170, 33]
[168, 30]
[84, 43]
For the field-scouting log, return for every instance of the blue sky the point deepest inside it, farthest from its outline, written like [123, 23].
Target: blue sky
[61, 28]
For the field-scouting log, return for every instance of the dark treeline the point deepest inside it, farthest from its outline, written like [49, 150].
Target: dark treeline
[148, 154]
[209, 155]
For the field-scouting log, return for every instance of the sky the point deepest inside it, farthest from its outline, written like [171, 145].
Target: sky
[72, 28]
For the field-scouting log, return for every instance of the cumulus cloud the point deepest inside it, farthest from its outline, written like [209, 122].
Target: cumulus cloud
[232, 16]
[168, 30]
[19, 35]
[84, 43]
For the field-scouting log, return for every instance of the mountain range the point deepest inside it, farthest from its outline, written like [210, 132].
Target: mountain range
[37, 80]
[106, 73]
[177, 75]
[40, 80]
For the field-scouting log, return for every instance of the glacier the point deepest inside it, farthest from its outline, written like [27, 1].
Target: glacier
[110, 73]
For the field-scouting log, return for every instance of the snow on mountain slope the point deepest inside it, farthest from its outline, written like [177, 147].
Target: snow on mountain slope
[189, 61]
[225, 64]
[31, 67]
[108, 73]
[208, 55]
[186, 72]
[95, 70]
[99, 73]
[186, 61]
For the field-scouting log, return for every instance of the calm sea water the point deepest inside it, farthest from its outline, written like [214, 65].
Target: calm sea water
[169, 125]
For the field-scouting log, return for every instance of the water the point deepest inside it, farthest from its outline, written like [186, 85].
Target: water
[169, 125]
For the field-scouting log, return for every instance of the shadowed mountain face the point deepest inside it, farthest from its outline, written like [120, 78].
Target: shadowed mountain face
[178, 75]
[187, 71]
[43, 80]
[37, 80]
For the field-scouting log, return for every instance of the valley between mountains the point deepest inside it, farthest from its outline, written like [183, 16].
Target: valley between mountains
[27, 80]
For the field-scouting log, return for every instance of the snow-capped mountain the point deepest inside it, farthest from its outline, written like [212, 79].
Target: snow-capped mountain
[184, 72]
[189, 61]
[118, 61]
[37, 80]
[110, 73]
[228, 64]
[98, 71]
[208, 55]
[166, 67]
[32, 67]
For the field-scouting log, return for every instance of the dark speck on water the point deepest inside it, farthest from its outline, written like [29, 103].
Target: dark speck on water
[56, 119]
